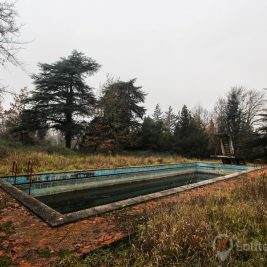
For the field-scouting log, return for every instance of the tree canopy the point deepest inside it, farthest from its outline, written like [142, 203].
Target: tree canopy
[238, 114]
[61, 96]
[157, 114]
[113, 121]
[191, 138]
[120, 109]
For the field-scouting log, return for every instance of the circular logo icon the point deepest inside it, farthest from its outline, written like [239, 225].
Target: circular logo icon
[223, 245]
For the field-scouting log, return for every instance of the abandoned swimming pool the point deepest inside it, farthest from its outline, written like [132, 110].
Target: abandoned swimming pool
[82, 199]
[63, 197]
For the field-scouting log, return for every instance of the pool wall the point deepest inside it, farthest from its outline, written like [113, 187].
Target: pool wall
[53, 183]
[80, 174]
[67, 185]
[54, 218]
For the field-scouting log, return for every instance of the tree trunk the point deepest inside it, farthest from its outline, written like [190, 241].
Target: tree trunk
[68, 138]
[68, 114]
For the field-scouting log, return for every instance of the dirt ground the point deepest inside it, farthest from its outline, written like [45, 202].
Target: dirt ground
[28, 241]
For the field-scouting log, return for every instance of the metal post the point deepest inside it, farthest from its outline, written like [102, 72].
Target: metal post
[15, 171]
[30, 171]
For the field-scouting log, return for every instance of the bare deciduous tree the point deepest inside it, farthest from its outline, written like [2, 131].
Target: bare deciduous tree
[219, 114]
[1, 118]
[238, 114]
[253, 105]
[9, 31]
[201, 115]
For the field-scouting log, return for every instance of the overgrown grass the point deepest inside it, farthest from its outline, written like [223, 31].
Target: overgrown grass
[5, 261]
[47, 253]
[58, 158]
[6, 227]
[4, 200]
[182, 234]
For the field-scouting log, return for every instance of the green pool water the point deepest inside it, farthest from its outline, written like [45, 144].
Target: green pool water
[67, 202]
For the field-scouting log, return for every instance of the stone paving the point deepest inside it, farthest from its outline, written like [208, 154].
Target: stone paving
[29, 241]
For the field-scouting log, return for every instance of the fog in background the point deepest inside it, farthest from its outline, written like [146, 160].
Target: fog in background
[181, 51]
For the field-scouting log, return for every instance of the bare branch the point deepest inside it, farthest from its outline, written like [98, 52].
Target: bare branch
[9, 32]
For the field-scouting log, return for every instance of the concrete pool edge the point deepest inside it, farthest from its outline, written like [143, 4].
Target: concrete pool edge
[47, 214]
[54, 218]
[78, 215]
[115, 171]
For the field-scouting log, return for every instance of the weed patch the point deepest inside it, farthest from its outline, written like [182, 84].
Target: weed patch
[5, 261]
[182, 234]
[6, 227]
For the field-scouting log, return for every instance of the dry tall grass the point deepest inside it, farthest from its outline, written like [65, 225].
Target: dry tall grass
[182, 234]
[44, 161]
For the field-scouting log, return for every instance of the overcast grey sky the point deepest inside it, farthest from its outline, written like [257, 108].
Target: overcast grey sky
[181, 51]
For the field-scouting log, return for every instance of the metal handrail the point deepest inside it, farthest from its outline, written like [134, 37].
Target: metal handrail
[258, 163]
[30, 172]
[15, 171]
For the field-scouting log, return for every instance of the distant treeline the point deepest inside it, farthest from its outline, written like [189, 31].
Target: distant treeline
[62, 101]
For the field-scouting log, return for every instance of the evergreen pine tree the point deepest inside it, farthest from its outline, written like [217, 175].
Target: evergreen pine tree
[61, 96]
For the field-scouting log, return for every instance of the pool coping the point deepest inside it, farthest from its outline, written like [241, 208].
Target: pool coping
[125, 167]
[55, 219]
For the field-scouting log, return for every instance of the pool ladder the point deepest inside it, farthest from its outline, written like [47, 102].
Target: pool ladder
[30, 172]
[258, 163]
[14, 173]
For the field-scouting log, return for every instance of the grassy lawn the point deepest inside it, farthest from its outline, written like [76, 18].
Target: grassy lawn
[182, 235]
